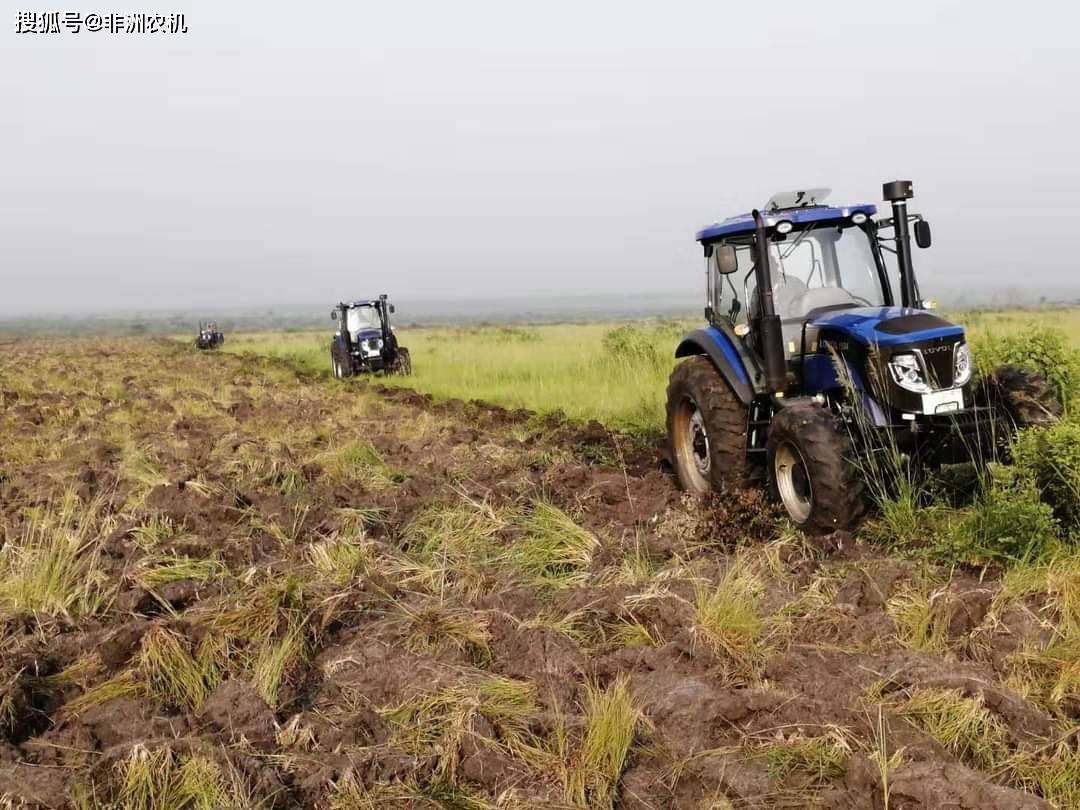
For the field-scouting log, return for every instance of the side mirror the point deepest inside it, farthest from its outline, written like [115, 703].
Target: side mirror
[333, 314]
[725, 260]
[922, 233]
[392, 309]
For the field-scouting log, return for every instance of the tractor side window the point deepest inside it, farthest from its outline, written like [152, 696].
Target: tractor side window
[727, 294]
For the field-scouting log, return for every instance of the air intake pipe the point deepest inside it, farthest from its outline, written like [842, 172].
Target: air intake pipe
[898, 192]
[772, 336]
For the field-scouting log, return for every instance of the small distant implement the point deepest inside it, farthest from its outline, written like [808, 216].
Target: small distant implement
[210, 337]
[365, 341]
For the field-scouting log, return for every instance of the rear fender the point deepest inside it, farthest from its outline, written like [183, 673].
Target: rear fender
[720, 348]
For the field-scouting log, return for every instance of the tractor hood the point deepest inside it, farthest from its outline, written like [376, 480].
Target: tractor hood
[888, 326]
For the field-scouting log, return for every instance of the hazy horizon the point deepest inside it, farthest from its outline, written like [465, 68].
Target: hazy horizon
[276, 154]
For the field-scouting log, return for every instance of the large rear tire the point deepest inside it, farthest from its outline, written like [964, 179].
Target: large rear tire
[1025, 396]
[812, 471]
[706, 425]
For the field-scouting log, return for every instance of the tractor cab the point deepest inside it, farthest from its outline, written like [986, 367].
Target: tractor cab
[810, 356]
[365, 341]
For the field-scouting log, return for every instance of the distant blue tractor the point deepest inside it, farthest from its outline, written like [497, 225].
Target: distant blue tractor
[808, 362]
[365, 342]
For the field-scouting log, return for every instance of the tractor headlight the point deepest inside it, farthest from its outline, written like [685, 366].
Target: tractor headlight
[907, 373]
[961, 364]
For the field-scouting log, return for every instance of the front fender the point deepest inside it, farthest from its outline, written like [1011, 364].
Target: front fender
[719, 348]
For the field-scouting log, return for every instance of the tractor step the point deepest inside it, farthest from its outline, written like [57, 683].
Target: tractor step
[758, 419]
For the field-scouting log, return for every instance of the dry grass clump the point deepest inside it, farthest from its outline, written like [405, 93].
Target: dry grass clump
[349, 793]
[173, 673]
[339, 560]
[553, 550]
[155, 530]
[162, 780]
[820, 757]
[436, 625]
[920, 623]
[142, 471]
[1054, 773]
[52, 568]
[359, 462]
[1049, 674]
[612, 720]
[441, 721]
[963, 725]
[454, 545]
[127, 684]
[156, 570]
[728, 618]
[268, 629]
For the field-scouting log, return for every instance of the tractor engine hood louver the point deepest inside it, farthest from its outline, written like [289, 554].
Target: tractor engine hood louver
[888, 326]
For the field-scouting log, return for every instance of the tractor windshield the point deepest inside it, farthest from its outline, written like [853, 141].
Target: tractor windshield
[362, 318]
[823, 266]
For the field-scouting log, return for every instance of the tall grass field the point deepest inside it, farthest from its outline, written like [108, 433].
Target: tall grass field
[615, 373]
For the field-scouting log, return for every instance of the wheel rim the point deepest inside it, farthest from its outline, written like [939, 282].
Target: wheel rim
[691, 440]
[793, 482]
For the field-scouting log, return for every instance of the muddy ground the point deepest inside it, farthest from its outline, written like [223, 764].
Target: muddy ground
[173, 457]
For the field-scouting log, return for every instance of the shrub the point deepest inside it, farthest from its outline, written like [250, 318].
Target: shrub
[1008, 522]
[636, 344]
[1044, 350]
[1050, 460]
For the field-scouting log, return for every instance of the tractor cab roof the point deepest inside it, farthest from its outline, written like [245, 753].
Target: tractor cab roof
[363, 302]
[801, 215]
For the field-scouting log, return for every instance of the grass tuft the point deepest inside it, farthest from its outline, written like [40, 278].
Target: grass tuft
[553, 550]
[918, 624]
[52, 569]
[611, 723]
[728, 617]
[173, 674]
[440, 721]
[961, 724]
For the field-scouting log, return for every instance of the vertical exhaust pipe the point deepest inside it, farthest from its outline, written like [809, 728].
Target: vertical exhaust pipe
[898, 192]
[772, 336]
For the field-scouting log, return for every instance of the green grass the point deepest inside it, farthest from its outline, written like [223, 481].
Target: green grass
[611, 724]
[543, 368]
[614, 373]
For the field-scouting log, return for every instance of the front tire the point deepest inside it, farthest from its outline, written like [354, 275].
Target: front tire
[811, 469]
[706, 425]
[402, 363]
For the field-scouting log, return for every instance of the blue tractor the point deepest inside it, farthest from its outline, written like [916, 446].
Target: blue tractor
[365, 342]
[810, 363]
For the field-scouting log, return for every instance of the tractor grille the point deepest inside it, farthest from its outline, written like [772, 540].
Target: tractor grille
[940, 364]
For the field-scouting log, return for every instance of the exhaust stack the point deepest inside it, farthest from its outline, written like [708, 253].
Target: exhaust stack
[772, 337]
[898, 192]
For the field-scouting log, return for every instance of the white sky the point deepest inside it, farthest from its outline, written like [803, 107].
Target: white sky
[304, 152]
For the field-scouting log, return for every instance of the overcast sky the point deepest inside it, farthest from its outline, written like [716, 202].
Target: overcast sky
[301, 152]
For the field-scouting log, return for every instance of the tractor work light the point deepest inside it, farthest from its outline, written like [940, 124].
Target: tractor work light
[858, 218]
[907, 373]
[783, 227]
[961, 364]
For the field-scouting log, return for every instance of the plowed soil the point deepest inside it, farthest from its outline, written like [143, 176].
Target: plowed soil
[250, 467]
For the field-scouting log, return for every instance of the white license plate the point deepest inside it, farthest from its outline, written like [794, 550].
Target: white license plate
[943, 401]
